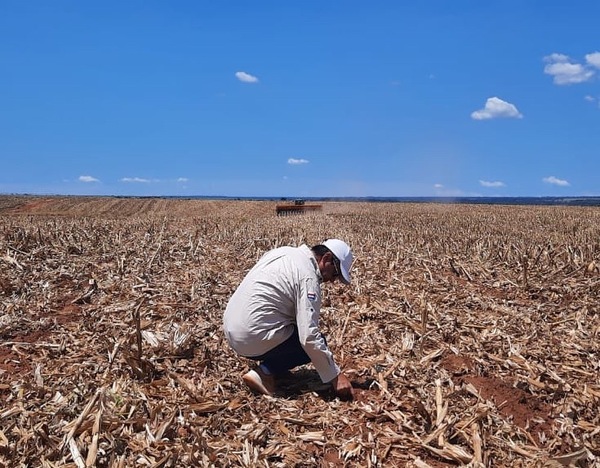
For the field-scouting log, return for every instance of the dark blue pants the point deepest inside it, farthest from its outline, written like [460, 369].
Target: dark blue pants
[285, 356]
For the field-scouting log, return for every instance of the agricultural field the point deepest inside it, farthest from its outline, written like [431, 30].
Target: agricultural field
[471, 334]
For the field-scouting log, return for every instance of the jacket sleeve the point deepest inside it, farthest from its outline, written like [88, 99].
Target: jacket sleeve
[308, 309]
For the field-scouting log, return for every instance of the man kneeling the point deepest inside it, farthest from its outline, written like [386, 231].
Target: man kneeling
[273, 316]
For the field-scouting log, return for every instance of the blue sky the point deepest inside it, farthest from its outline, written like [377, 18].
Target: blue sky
[300, 98]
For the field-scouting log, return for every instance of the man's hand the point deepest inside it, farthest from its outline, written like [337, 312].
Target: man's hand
[343, 387]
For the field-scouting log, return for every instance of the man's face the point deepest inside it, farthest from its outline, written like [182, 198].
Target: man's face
[330, 268]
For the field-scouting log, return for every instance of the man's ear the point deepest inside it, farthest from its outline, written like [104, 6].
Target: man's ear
[324, 260]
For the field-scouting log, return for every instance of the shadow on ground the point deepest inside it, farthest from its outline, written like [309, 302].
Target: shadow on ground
[296, 383]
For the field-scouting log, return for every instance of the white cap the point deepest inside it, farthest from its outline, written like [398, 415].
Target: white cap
[343, 253]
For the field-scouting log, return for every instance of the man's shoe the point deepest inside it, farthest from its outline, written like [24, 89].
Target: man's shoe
[259, 382]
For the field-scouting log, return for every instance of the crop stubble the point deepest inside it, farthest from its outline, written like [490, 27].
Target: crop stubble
[470, 333]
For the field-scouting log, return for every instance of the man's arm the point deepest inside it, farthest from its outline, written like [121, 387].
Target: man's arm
[308, 307]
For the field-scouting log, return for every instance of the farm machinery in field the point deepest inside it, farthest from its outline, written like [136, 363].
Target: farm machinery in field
[297, 207]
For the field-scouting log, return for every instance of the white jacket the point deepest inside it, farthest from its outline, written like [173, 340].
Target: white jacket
[282, 289]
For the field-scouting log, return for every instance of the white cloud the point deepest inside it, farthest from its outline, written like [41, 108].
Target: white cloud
[183, 179]
[87, 178]
[246, 77]
[438, 186]
[565, 71]
[486, 183]
[592, 99]
[295, 161]
[556, 181]
[593, 59]
[496, 108]
[135, 179]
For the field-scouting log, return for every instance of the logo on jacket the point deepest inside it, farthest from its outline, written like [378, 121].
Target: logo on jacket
[312, 296]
